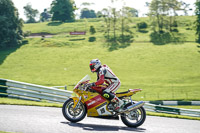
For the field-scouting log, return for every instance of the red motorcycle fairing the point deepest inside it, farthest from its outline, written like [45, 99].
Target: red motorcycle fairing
[95, 101]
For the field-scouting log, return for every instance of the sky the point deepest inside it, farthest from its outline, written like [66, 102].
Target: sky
[98, 5]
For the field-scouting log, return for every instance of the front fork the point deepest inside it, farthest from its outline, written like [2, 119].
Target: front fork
[76, 101]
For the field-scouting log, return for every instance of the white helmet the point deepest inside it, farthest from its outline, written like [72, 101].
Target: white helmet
[95, 64]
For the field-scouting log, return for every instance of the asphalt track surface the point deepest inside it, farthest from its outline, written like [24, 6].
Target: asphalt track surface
[31, 119]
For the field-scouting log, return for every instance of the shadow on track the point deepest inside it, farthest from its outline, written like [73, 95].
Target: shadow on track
[95, 127]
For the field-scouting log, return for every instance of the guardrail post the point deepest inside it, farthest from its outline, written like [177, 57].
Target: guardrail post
[3, 82]
[3, 89]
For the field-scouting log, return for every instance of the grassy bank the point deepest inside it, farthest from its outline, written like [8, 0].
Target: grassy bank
[164, 72]
[169, 72]
[185, 27]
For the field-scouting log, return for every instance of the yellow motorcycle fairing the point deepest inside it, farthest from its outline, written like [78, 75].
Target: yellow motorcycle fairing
[95, 103]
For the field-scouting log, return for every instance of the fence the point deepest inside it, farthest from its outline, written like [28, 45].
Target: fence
[28, 91]
[170, 110]
[178, 95]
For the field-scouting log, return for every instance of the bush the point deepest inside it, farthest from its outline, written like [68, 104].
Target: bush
[92, 30]
[188, 28]
[166, 37]
[142, 25]
[27, 33]
[160, 38]
[174, 30]
[92, 39]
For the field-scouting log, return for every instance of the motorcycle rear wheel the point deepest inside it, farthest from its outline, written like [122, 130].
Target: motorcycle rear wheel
[134, 118]
[73, 115]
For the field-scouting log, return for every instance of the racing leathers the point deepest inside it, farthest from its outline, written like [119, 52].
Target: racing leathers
[105, 75]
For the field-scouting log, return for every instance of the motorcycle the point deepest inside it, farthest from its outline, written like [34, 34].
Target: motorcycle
[91, 102]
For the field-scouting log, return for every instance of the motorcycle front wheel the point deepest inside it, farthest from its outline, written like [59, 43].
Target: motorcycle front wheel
[73, 115]
[134, 118]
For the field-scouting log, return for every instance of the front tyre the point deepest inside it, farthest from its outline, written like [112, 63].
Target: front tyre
[73, 115]
[134, 118]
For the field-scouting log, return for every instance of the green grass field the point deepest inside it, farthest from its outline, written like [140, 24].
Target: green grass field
[164, 72]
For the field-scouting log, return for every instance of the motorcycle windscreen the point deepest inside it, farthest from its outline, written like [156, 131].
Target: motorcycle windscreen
[84, 79]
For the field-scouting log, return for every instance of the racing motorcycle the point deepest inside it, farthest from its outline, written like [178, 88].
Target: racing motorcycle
[91, 102]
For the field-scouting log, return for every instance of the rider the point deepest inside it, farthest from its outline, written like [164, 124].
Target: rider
[105, 74]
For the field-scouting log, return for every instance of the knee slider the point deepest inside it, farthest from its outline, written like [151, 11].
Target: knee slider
[108, 95]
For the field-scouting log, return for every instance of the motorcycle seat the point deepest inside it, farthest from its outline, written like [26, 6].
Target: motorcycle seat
[123, 92]
[130, 90]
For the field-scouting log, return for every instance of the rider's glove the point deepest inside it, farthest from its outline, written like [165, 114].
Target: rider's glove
[92, 84]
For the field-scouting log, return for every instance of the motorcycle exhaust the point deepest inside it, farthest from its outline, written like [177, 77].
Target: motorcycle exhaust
[134, 106]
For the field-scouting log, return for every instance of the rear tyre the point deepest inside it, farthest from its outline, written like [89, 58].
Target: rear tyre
[134, 118]
[73, 115]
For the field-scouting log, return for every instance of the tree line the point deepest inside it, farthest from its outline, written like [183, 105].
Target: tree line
[63, 10]
[163, 15]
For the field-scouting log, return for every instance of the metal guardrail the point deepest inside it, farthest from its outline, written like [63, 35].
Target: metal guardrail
[170, 110]
[65, 87]
[174, 103]
[35, 92]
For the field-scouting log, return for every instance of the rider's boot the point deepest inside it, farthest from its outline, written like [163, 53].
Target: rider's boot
[119, 103]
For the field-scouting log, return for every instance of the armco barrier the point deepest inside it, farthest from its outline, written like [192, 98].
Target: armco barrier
[29, 91]
[174, 103]
[170, 110]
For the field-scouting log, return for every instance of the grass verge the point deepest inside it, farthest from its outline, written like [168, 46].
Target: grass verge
[186, 107]
[8, 101]
[172, 116]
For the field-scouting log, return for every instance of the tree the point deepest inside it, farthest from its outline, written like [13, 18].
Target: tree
[114, 21]
[142, 25]
[163, 14]
[11, 25]
[186, 8]
[124, 17]
[197, 12]
[107, 18]
[63, 10]
[92, 30]
[99, 14]
[45, 16]
[30, 13]
[86, 13]
[87, 4]
[133, 12]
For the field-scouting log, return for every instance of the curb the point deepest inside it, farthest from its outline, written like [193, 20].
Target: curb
[174, 102]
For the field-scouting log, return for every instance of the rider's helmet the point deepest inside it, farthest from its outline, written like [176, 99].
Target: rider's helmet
[95, 64]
